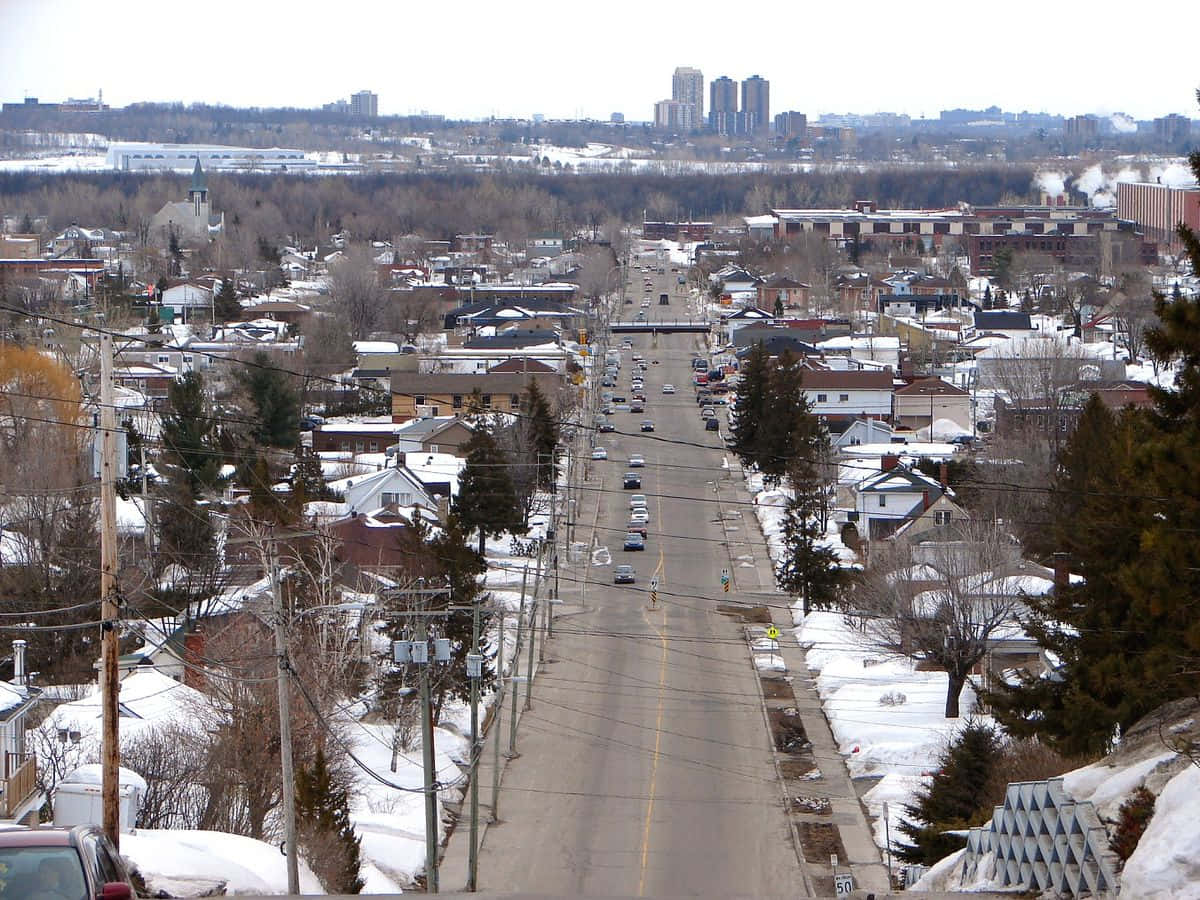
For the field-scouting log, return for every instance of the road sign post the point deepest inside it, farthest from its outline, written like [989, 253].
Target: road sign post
[725, 580]
[654, 591]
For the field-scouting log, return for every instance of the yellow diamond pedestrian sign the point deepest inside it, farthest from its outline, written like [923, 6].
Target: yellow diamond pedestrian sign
[772, 632]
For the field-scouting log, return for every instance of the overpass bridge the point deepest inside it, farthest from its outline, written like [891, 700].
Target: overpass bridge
[662, 326]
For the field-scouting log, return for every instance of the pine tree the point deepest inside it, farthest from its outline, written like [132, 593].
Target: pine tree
[750, 405]
[308, 479]
[225, 305]
[486, 500]
[955, 799]
[784, 410]
[189, 433]
[326, 834]
[542, 432]
[274, 401]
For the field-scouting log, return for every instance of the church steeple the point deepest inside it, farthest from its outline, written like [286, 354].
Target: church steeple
[198, 193]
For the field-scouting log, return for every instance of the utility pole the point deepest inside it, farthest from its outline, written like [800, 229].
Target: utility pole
[110, 736]
[285, 727]
[421, 645]
[497, 725]
[474, 672]
[147, 506]
[512, 725]
[533, 611]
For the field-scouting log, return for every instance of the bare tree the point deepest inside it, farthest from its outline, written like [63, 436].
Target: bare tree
[594, 272]
[355, 289]
[942, 603]
[1133, 310]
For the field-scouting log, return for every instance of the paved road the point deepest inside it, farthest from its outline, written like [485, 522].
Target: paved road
[645, 765]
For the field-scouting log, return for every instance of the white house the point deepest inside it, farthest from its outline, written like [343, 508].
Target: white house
[875, 348]
[887, 499]
[747, 315]
[927, 400]
[840, 397]
[864, 431]
[186, 297]
[388, 487]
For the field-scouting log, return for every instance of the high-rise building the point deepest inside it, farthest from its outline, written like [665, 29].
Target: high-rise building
[364, 105]
[722, 105]
[791, 124]
[687, 86]
[755, 116]
[674, 115]
[1173, 127]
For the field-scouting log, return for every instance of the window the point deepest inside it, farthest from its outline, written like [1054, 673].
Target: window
[821, 398]
[433, 448]
[359, 446]
[941, 517]
[419, 399]
[515, 401]
[162, 358]
[344, 445]
[187, 359]
[487, 401]
[882, 501]
[456, 401]
[374, 446]
[843, 398]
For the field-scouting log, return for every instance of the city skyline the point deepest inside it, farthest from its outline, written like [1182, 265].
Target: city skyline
[411, 74]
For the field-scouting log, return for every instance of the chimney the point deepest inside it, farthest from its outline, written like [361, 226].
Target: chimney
[943, 477]
[888, 462]
[925, 500]
[1062, 572]
[18, 661]
[194, 643]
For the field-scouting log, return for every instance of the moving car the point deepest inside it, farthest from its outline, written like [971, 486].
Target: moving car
[632, 481]
[634, 541]
[712, 425]
[606, 427]
[707, 412]
[647, 425]
[637, 501]
[624, 575]
[66, 863]
[640, 514]
[668, 388]
[599, 453]
[636, 525]
[636, 461]
[637, 406]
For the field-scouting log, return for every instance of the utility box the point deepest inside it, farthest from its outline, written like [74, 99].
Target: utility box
[78, 800]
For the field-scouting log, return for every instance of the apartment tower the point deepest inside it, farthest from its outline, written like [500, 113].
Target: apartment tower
[723, 105]
[756, 105]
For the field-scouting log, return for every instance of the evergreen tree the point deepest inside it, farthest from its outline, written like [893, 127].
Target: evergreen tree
[955, 799]
[987, 297]
[189, 433]
[308, 480]
[486, 500]
[276, 406]
[808, 568]
[26, 224]
[783, 426]
[750, 405]
[542, 432]
[326, 834]
[225, 305]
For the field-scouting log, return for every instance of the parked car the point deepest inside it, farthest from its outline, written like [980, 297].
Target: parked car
[647, 425]
[636, 461]
[66, 863]
[707, 412]
[632, 481]
[599, 453]
[624, 575]
[712, 425]
[634, 541]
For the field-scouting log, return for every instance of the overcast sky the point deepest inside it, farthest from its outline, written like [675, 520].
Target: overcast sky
[466, 58]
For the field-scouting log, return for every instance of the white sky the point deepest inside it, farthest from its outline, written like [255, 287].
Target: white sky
[568, 59]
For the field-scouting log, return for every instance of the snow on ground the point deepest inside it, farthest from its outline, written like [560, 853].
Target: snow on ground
[1166, 863]
[177, 860]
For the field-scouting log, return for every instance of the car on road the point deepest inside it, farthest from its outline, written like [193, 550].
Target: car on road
[62, 863]
[599, 453]
[640, 514]
[607, 381]
[640, 317]
[637, 501]
[624, 575]
[712, 425]
[632, 481]
[636, 525]
[636, 461]
[626, 345]
[703, 397]
[606, 427]
[647, 425]
[634, 541]
[668, 388]
[637, 406]
[707, 412]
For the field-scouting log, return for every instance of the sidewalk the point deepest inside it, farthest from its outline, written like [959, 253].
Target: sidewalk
[754, 580]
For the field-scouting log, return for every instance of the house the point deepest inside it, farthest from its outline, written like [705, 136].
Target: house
[374, 540]
[528, 312]
[443, 434]
[839, 397]
[1007, 322]
[736, 280]
[887, 499]
[149, 379]
[183, 298]
[924, 401]
[862, 432]
[392, 487]
[20, 799]
[364, 435]
[749, 315]
[878, 349]
[545, 245]
[77, 241]
[522, 365]
[782, 292]
[192, 219]
[417, 395]
[1027, 366]
[774, 341]
[940, 521]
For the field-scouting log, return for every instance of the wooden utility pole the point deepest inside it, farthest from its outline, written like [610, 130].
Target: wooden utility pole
[285, 726]
[432, 838]
[474, 672]
[110, 744]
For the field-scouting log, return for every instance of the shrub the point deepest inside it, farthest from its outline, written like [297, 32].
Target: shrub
[1132, 820]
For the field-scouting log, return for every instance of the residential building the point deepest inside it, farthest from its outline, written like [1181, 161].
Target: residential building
[443, 434]
[723, 105]
[19, 797]
[887, 499]
[394, 487]
[1083, 126]
[927, 400]
[784, 291]
[416, 395]
[756, 105]
[1007, 322]
[19, 246]
[364, 105]
[1173, 127]
[791, 124]
[368, 435]
[1159, 209]
[687, 86]
[672, 115]
[863, 431]
[190, 220]
[838, 397]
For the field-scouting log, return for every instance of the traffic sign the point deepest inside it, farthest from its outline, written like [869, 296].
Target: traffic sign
[654, 583]
[724, 576]
[772, 632]
[843, 884]
[725, 586]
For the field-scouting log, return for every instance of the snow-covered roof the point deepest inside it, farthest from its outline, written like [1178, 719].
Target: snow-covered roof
[376, 347]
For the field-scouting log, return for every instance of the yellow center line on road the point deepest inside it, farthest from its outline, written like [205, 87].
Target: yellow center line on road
[662, 680]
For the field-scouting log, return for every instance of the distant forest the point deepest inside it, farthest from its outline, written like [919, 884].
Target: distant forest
[307, 209]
